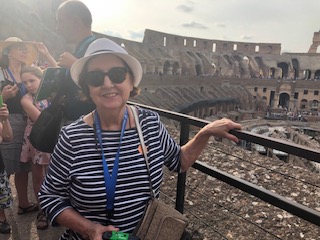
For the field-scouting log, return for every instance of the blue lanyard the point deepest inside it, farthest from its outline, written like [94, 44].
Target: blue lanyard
[83, 45]
[78, 53]
[110, 179]
[21, 86]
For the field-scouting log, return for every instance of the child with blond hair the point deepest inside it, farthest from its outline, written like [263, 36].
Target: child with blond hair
[31, 78]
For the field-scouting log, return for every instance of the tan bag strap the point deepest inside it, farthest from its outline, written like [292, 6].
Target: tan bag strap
[143, 146]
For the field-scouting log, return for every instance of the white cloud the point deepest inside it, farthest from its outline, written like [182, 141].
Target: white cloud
[194, 25]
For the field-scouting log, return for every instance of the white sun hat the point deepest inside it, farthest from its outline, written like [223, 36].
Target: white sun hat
[106, 46]
[31, 47]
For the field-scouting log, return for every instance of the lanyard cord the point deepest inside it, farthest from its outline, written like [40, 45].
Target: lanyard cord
[110, 179]
[83, 45]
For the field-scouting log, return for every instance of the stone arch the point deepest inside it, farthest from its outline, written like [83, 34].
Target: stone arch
[285, 88]
[296, 68]
[176, 70]
[314, 105]
[284, 100]
[317, 74]
[303, 103]
[261, 69]
[167, 68]
[307, 74]
[272, 72]
[285, 69]
[198, 69]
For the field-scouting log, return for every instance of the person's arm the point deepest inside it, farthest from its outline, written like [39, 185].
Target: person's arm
[32, 111]
[43, 50]
[66, 60]
[7, 134]
[192, 149]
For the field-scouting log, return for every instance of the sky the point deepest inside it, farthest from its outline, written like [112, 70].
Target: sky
[289, 22]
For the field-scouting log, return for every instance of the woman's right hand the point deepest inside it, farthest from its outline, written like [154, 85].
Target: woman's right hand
[9, 91]
[97, 230]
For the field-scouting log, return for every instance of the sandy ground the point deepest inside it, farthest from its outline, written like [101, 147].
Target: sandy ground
[23, 227]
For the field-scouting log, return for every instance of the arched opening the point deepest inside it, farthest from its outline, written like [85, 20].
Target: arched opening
[303, 103]
[235, 47]
[284, 67]
[262, 72]
[306, 74]
[314, 105]
[317, 75]
[214, 46]
[225, 46]
[166, 68]
[198, 70]
[176, 69]
[272, 72]
[296, 68]
[284, 99]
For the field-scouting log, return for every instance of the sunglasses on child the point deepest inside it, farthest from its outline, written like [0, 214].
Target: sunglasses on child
[96, 78]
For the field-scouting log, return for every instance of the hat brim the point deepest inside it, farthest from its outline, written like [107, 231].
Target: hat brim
[132, 62]
[31, 46]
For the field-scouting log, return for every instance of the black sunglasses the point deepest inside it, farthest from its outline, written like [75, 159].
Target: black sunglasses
[96, 78]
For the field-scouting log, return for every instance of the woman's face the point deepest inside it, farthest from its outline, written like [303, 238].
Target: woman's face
[109, 95]
[31, 82]
[18, 52]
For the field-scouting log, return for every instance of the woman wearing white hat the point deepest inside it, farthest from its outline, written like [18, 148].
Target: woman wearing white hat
[15, 54]
[98, 179]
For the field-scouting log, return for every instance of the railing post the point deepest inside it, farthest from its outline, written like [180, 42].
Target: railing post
[184, 138]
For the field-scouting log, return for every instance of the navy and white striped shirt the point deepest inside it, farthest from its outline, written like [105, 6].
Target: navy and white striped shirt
[75, 177]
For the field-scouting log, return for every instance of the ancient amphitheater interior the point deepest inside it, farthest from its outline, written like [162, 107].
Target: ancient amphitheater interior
[268, 91]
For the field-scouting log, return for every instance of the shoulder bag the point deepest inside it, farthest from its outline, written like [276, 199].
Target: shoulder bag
[45, 131]
[160, 221]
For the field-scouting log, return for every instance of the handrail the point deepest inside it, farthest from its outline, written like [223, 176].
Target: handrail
[277, 200]
[279, 144]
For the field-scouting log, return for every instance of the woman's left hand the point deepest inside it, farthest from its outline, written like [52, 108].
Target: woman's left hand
[220, 128]
[193, 148]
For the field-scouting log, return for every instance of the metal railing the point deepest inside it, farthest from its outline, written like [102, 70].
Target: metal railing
[274, 199]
